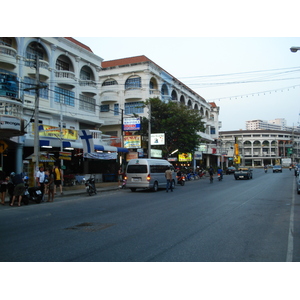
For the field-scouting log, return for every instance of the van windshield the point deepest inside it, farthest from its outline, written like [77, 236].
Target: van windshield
[137, 169]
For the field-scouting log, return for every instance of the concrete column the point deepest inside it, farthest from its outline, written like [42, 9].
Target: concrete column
[19, 158]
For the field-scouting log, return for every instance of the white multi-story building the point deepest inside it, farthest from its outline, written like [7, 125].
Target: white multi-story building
[79, 91]
[70, 101]
[276, 124]
[126, 82]
[260, 147]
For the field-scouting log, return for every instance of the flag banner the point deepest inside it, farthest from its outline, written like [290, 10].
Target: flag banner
[87, 141]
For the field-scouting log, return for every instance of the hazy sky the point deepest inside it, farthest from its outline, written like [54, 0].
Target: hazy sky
[260, 76]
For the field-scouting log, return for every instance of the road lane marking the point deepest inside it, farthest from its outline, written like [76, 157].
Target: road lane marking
[290, 248]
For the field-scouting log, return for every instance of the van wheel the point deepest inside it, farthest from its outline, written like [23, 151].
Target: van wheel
[155, 187]
[133, 189]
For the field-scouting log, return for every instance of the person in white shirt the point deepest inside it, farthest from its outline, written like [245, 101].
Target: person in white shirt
[40, 178]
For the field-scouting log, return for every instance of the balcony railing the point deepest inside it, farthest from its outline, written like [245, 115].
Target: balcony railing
[13, 108]
[31, 63]
[65, 74]
[8, 51]
[89, 83]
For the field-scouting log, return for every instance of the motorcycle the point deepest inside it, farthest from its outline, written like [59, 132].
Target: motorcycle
[181, 180]
[190, 176]
[90, 186]
[31, 193]
[220, 177]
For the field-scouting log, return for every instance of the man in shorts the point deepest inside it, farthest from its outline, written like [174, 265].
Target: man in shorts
[58, 179]
[19, 188]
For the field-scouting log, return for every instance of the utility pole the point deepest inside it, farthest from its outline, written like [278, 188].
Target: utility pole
[149, 131]
[36, 145]
[36, 118]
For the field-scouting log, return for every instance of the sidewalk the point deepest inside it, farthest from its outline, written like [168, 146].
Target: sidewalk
[77, 190]
[80, 189]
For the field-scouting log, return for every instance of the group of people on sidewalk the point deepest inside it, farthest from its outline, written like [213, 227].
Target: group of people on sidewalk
[48, 181]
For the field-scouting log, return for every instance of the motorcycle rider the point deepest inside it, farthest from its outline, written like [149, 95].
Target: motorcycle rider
[220, 171]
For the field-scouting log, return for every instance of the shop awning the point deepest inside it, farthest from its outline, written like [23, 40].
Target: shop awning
[110, 148]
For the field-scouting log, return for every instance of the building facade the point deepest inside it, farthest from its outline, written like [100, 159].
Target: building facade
[260, 147]
[77, 90]
[276, 124]
[125, 83]
[68, 95]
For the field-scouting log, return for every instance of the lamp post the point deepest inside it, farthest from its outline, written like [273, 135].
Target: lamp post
[294, 49]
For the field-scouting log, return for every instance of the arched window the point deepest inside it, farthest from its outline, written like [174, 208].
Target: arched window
[164, 90]
[174, 95]
[86, 73]
[109, 82]
[133, 82]
[182, 100]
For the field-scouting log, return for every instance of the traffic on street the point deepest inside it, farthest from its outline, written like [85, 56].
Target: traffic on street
[255, 220]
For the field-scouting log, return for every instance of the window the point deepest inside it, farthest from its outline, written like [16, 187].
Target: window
[84, 75]
[133, 83]
[87, 103]
[137, 169]
[134, 108]
[116, 109]
[104, 108]
[64, 96]
[30, 83]
[62, 65]
[212, 130]
[31, 53]
[6, 41]
[109, 82]
[158, 168]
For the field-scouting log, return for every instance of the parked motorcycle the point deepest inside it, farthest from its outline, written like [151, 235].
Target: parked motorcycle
[31, 193]
[181, 180]
[190, 176]
[90, 186]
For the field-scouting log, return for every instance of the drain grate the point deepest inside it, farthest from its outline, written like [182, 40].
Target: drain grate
[90, 227]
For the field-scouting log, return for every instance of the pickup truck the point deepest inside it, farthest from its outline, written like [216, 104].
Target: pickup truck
[243, 173]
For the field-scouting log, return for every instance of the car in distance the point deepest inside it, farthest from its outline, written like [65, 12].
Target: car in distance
[230, 170]
[243, 173]
[277, 169]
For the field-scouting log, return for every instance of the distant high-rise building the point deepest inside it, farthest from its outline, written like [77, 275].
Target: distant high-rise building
[276, 124]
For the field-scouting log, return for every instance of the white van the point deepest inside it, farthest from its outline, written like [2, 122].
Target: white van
[148, 174]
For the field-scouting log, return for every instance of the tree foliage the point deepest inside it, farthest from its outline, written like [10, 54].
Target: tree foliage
[180, 124]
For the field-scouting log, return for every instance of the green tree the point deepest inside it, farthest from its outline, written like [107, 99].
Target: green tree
[179, 123]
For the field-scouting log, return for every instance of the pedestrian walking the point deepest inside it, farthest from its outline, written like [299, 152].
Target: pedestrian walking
[120, 177]
[19, 189]
[169, 177]
[211, 174]
[58, 179]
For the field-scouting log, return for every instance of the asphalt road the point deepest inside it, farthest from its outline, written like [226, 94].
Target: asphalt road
[254, 220]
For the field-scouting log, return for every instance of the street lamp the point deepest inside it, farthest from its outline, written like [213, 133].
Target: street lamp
[294, 49]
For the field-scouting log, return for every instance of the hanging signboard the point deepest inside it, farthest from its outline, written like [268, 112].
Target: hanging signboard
[185, 157]
[132, 141]
[54, 132]
[157, 139]
[131, 124]
[65, 155]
